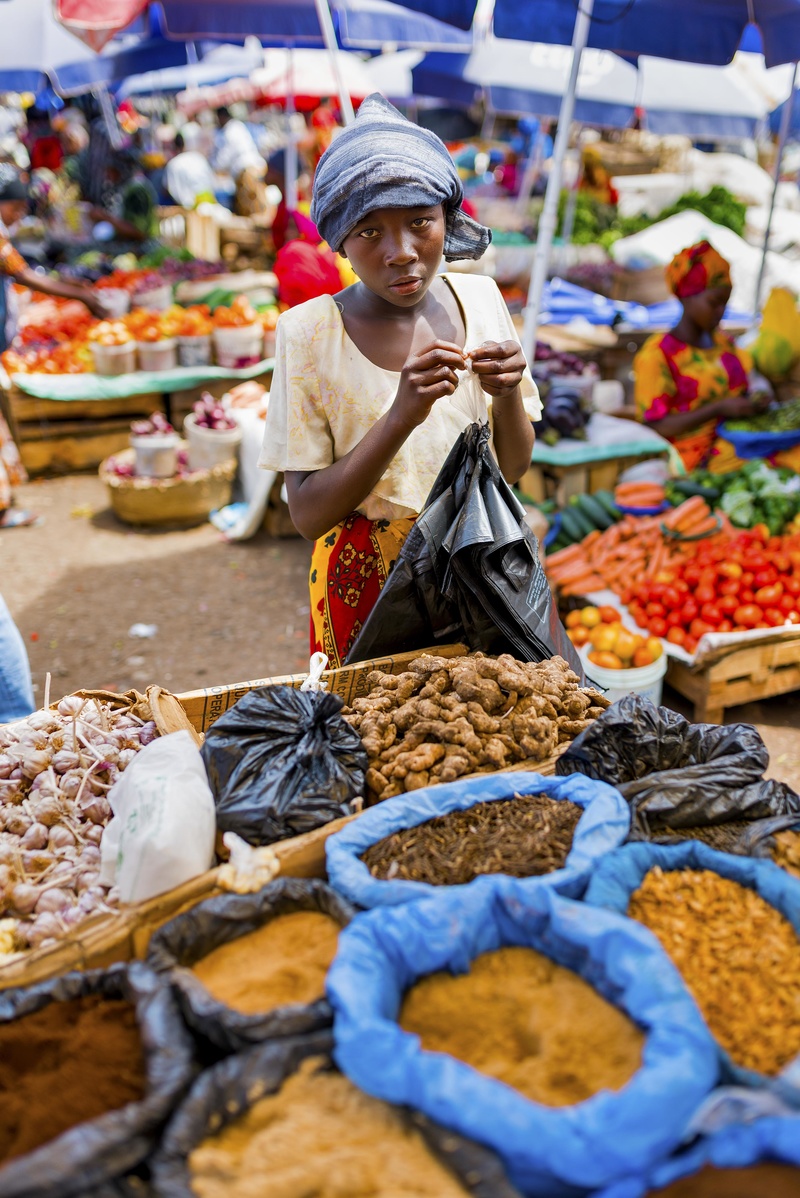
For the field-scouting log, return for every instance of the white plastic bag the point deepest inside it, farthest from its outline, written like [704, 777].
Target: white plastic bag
[164, 824]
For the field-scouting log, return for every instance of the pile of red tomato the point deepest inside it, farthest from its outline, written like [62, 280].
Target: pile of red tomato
[749, 581]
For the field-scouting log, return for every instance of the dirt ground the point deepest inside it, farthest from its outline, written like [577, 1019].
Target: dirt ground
[79, 581]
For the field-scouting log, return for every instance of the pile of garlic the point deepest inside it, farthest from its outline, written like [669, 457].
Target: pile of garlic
[56, 768]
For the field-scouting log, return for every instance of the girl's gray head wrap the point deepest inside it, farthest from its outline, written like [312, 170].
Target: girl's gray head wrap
[383, 160]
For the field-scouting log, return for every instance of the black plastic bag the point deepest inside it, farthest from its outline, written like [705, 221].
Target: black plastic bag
[97, 1154]
[469, 570]
[281, 762]
[222, 1094]
[183, 941]
[675, 774]
[758, 840]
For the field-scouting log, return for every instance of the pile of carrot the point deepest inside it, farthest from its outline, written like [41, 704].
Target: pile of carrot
[639, 495]
[635, 549]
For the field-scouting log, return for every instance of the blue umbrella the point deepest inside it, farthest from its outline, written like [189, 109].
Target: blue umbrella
[117, 62]
[708, 31]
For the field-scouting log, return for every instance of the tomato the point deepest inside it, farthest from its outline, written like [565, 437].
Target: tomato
[793, 617]
[656, 609]
[787, 603]
[610, 615]
[781, 562]
[689, 611]
[676, 636]
[731, 586]
[746, 596]
[725, 626]
[774, 617]
[711, 613]
[730, 570]
[690, 644]
[768, 596]
[682, 587]
[692, 575]
[657, 626]
[704, 594]
[699, 628]
[765, 577]
[727, 604]
[792, 585]
[672, 599]
[674, 620]
[747, 614]
[747, 578]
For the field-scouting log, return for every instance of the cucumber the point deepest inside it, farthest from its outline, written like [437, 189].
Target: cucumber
[691, 490]
[594, 511]
[578, 519]
[571, 525]
[606, 500]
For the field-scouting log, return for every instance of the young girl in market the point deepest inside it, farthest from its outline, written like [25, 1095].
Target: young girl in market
[689, 379]
[370, 384]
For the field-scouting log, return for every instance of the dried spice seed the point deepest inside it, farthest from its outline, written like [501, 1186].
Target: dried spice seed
[724, 837]
[528, 1022]
[526, 836]
[738, 955]
[787, 852]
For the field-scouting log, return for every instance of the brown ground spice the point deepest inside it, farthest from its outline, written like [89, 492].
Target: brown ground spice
[63, 1065]
[320, 1137]
[283, 962]
[524, 836]
[787, 852]
[757, 1181]
[528, 1022]
[738, 955]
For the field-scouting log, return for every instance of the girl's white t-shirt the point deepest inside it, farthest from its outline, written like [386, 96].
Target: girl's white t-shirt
[326, 395]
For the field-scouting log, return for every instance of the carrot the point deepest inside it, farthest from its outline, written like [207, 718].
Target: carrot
[688, 510]
[631, 490]
[708, 524]
[564, 555]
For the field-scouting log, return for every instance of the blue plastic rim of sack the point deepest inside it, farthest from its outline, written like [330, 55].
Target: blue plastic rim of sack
[559, 1152]
[735, 1147]
[622, 872]
[603, 826]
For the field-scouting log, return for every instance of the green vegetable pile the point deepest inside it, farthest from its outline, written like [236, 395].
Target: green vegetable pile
[783, 419]
[754, 494]
[597, 223]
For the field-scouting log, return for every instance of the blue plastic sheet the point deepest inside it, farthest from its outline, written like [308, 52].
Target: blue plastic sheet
[603, 827]
[620, 873]
[760, 445]
[563, 302]
[550, 1151]
[735, 1147]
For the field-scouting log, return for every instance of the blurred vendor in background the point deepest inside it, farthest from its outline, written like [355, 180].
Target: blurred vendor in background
[690, 379]
[14, 268]
[189, 178]
[236, 154]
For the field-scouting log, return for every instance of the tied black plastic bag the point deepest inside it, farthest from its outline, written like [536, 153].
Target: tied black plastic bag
[224, 1093]
[188, 938]
[469, 570]
[281, 762]
[97, 1154]
[675, 774]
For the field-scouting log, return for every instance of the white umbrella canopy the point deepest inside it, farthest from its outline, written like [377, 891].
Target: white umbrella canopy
[310, 75]
[220, 64]
[391, 74]
[33, 43]
[699, 101]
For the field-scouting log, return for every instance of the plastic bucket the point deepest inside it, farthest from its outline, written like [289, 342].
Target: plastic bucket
[116, 300]
[158, 355]
[237, 348]
[157, 299]
[647, 681]
[269, 343]
[114, 359]
[209, 447]
[156, 455]
[195, 350]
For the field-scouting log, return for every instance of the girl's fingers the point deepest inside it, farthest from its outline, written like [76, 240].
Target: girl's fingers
[498, 366]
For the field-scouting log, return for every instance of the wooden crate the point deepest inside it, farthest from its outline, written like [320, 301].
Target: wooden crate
[543, 480]
[741, 675]
[26, 409]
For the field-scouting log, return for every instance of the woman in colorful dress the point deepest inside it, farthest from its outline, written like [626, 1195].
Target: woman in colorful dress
[368, 395]
[690, 379]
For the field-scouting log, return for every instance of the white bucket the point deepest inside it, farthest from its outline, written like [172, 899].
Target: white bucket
[195, 350]
[116, 301]
[157, 299]
[210, 447]
[237, 348]
[156, 455]
[112, 360]
[647, 681]
[158, 355]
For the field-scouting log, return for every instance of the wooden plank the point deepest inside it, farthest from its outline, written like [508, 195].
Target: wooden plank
[55, 453]
[181, 402]
[26, 408]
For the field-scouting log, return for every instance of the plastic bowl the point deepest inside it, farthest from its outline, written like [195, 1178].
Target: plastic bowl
[759, 445]
[643, 511]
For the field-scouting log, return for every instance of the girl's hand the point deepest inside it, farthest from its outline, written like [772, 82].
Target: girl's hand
[737, 407]
[499, 367]
[426, 377]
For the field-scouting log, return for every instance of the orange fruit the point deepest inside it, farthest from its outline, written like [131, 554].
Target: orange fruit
[653, 643]
[610, 615]
[579, 636]
[608, 661]
[590, 616]
[573, 619]
[625, 643]
[603, 637]
[642, 657]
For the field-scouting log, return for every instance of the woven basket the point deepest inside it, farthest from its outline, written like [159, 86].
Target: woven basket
[174, 501]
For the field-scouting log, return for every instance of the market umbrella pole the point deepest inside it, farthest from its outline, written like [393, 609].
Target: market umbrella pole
[786, 121]
[549, 217]
[329, 34]
[291, 145]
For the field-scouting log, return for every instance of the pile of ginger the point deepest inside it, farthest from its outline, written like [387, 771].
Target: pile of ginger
[445, 717]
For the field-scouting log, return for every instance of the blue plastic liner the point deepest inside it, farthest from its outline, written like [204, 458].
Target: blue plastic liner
[735, 1147]
[621, 872]
[603, 826]
[759, 445]
[554, 1151]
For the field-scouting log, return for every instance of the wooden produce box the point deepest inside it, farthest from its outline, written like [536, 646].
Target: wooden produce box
[641, 286]
[739, 675]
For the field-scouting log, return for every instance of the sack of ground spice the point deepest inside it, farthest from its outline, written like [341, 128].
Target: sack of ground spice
[732, 927]
[520, 824]
[280, 1118]
[746, 1160]
[281, 762]
[251, 967]
[91, 1066]
[596, 1005]
[675, 774]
